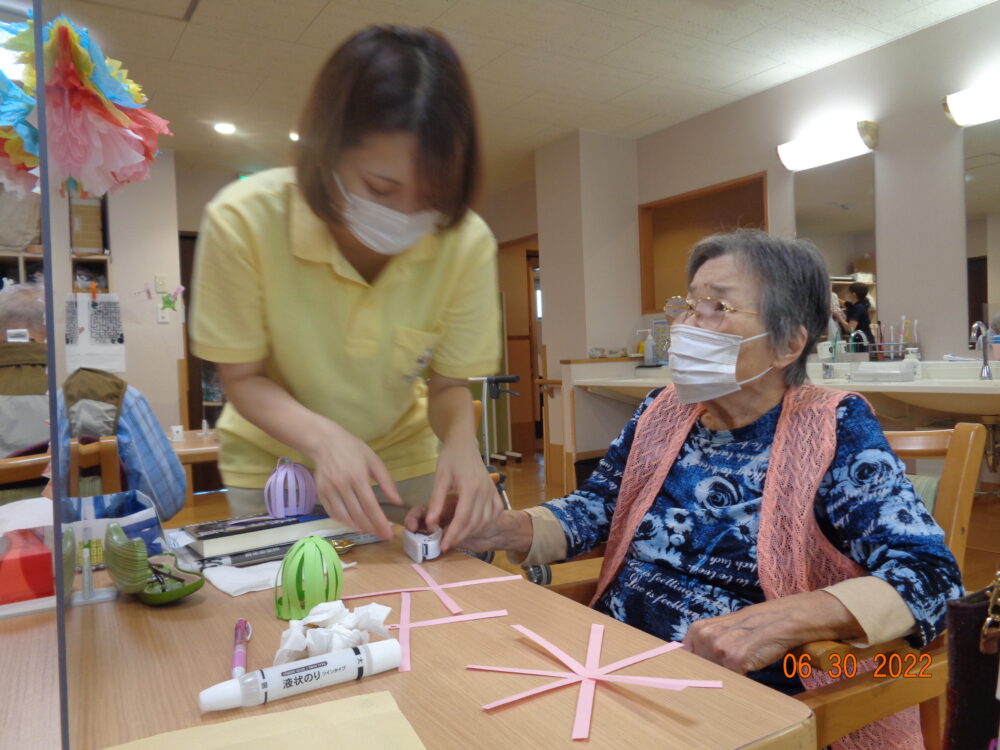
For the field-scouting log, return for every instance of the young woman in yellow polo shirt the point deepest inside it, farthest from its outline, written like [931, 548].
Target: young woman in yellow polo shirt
[325, 292]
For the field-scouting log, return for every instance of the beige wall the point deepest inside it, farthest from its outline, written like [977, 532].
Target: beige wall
[560, 238]
[610, 239]
[194, 190]
[142, 219]
[512, 213]
[840, 248]
[975, 232]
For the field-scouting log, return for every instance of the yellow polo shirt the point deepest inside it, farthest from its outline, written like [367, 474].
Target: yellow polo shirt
[270, 284]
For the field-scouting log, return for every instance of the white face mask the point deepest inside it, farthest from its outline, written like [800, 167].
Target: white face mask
[703, 363]
[383, 229]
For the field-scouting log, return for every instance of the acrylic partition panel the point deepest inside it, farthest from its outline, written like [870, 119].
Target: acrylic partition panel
[30, 337]
[982, 215]
[134, 253]
[93, 300]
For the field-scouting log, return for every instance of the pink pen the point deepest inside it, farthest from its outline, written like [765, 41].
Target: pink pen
[243, 633]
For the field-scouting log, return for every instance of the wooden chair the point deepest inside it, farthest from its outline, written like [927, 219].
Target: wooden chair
[845, 706]
[104, 454]
[23, 468]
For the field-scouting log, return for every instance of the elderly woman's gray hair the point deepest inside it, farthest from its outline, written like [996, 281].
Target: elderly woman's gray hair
[794, 286]
[23, 306]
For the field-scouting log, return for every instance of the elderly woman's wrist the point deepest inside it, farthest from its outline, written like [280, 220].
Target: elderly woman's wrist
[517, 531]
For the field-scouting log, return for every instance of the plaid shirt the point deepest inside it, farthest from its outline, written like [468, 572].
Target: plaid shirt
[151, 466]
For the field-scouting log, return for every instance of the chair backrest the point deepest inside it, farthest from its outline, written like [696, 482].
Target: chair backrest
[962, 449]
[23, 468]
[103, 453]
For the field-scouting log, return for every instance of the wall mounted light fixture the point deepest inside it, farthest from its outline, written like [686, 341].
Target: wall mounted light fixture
[829, 143]
[973, 106]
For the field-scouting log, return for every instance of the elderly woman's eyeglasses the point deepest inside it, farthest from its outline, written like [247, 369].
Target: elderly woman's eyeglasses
[711, 311]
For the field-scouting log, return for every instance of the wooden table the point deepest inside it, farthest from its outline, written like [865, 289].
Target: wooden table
[197, 448]
[136, 671]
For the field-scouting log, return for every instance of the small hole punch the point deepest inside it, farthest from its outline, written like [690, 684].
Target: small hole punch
[419, 546]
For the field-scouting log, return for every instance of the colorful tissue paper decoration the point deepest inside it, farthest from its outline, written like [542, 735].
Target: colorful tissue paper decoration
[101, 134]
[18, 136]
[290, 490]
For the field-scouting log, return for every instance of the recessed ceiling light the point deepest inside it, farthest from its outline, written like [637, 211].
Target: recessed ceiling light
[226, 128]
[293, 136]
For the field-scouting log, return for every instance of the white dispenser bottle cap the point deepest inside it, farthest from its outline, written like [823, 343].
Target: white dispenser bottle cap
[220, 697]
[385, 655]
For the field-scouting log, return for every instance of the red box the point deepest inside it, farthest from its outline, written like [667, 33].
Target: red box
[25, 567]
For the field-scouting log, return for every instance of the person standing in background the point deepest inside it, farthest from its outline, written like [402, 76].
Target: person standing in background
[857, 308]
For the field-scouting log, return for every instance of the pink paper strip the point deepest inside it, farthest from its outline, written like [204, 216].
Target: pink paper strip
[588, 687]
[528, 693]
[557, 652]
[404, 631]
[456, 618]
[470, 582]
[664, 683]
[538, 672]
[584, 709]
[405, 625]
[630, 660]
[373, 594]
[446, 600]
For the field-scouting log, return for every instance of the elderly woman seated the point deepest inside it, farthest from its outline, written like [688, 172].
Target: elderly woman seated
[746, 512]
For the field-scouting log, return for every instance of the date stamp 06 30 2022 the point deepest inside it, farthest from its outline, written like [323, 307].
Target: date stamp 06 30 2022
[887, 666]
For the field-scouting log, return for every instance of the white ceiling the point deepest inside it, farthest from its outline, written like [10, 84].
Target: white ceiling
[540, 68]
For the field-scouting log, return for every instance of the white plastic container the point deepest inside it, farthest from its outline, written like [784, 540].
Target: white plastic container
[649, 349]
[284, 680]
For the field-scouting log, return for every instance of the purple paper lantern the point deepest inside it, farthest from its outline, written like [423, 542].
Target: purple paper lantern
[290, 490]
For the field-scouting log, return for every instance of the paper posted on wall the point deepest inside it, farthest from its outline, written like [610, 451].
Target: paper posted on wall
[94, 333]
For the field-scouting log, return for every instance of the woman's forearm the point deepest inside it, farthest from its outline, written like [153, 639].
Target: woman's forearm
[449, 410]
[274, 410]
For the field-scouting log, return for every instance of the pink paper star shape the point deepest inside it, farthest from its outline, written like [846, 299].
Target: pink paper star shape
[588, 675]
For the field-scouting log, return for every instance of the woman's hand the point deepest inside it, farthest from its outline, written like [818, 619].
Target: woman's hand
[511, 530]
[760, 634]
[475, 500]
[344, 464]
[345, 467]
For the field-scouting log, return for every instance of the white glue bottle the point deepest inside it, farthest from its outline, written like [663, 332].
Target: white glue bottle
[648, 348]
[284, 680]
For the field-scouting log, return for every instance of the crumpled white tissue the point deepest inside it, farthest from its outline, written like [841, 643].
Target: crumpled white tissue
[330, 626]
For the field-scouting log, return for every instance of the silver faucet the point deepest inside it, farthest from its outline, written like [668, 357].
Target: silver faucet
[982, 341]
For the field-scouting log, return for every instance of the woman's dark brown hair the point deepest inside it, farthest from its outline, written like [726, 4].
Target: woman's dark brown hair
[385, 79]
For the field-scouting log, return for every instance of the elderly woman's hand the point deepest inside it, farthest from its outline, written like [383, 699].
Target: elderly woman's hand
[761, 634]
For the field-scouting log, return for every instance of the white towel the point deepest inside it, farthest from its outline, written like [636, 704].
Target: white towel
[236, 581]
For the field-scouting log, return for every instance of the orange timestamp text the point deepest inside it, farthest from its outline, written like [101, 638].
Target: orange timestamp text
[887, 666]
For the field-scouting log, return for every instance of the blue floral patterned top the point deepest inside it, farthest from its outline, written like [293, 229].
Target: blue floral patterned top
[694, 554]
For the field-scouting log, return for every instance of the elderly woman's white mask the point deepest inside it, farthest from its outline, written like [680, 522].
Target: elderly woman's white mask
[703, 363]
